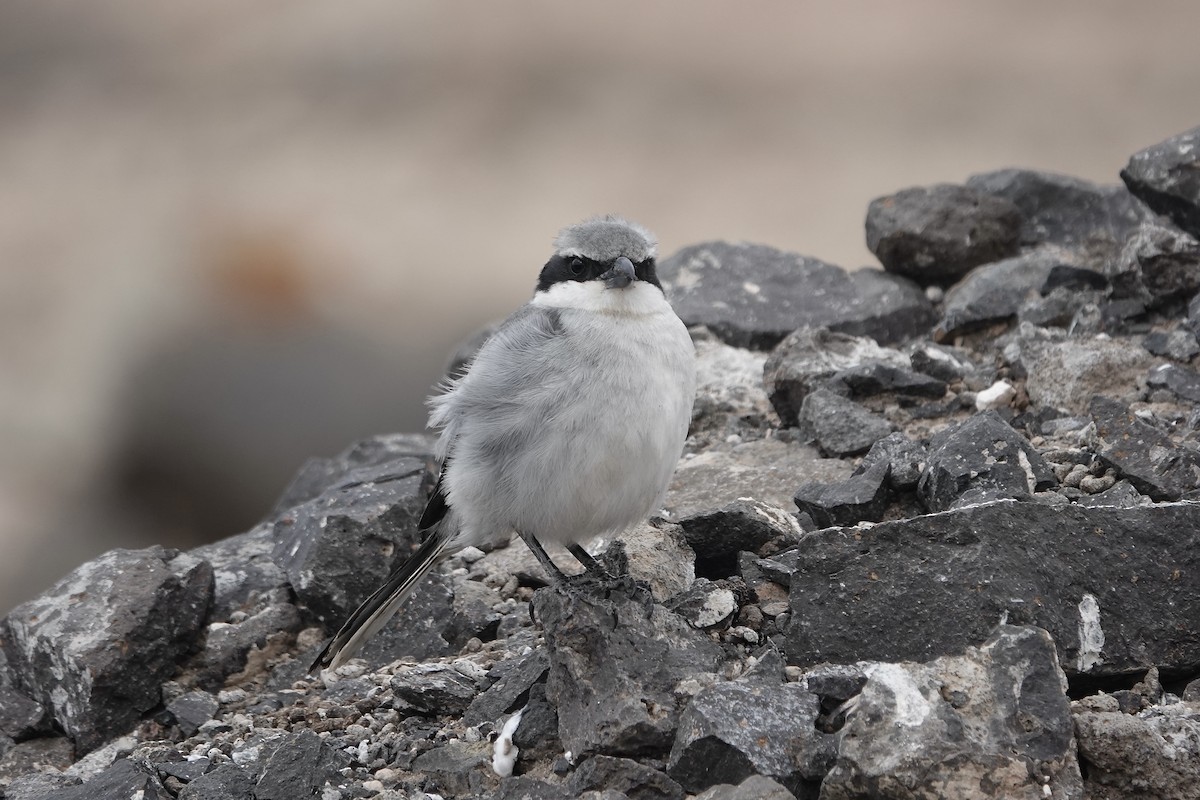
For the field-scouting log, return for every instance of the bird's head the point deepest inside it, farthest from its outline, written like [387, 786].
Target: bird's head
[608, 250]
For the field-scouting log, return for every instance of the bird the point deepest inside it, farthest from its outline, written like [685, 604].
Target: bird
[566, 425]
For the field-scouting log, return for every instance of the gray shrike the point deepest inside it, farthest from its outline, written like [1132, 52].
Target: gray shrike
[568, 423]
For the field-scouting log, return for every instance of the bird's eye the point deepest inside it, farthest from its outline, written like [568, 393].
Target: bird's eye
[576, 266]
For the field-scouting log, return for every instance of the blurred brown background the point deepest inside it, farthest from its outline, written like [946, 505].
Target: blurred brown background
[236, 235]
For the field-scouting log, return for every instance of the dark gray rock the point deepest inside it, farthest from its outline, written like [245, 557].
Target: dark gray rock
[516, 676]
[97, 646]
[297, 765]
[456, 768]
[1182, 381]
[1058, 209]
[615, 661]
[636, 781]
[941, 362]
[227, 645]
[1153, 754]
[1158, 265]
[21, 717]
[936, 234]
[1141, 453]
[50, 754]
[733, 730]
[1179, 345]
[191, 710]
[339, 547]
[863, 497]
[226, 782]
[434, 689]
[888, 308]
[870, 380]
[419, 630]
[522, 787]
[39, 786]
[185, 771]
[746, 524]
[1193, 316]
[993, 722]
[995, 292]
[1121, 494]
[1166, 177]
[537, 734]
[756, 787]
[125, 778]
[244, 571]
[928, 586]
[752, 295]
[904, 457]
[808, 357]
[982, 458]
[840, 427]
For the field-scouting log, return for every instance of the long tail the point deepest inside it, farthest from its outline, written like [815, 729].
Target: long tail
[377, 609]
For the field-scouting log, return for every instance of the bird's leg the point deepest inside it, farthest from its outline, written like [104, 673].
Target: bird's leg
[552, 571]
[590, 564]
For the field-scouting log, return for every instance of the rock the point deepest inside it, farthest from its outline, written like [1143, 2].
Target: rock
[993, 722]
[1142, 454]
[456, 768]
[297, 765]
[733, 730]
[871, 380]
[191, 710]
[434, 689]
[888, 308]
[863, 497]
[718, 536]
[516, 677]
[227, 645]
[728, 385]
[995, 292]
[1163, 176]
[1154, 754]
[752, 295]
[807, 357]
[928, 586]
[614, 664]
[999, 395]
[1121, 494]
[981, 459]
[244, 571]
[39, 786]
[537, 734]
[904, 457]
[96, 647]
[50, 754]
[658, 554]
[766, 470]
[706, 605]
[633, 780]
[1182, 381]
[1061, 210]
[838, 426]
[226, 782]
[124, 778]
[936, 234]
[756, 787]
[938, 361]
[1193, 316]
[1065, 373]
[1159, 264]
[1179, 345]
[21, 717]
[340, 546]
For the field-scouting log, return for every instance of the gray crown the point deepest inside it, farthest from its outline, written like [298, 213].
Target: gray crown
[605, 238]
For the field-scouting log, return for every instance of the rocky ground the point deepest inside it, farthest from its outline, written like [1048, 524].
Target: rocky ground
[934, 535]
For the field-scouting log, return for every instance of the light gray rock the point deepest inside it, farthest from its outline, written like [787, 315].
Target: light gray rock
[1153, 754]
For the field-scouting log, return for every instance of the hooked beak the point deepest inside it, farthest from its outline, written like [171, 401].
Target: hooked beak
[621, 274]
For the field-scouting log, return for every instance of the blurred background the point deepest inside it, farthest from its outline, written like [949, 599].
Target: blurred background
[233, 236]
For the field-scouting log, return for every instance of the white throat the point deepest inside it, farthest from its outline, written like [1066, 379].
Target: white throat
[637, 299]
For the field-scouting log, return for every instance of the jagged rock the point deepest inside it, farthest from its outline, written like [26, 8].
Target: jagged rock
[226, 782]
[938, 361]
[756, 787]
[1180, 380]
[766, 470]
[614, 664]
[728, 384]
[1065, 373]
[753, 296]
[1142, 454]
[928, 586]
[840, 427]
[434, 689]
[809, 356]
[39, 786]
[904, 457]
[513, 680]
[995, 292]
[21, 717]
[244, 571]
[297, 765]
[705, 604]
[340, 546]
[658, 554]
[124, 778]
[1159, 264]
[1121, 494]
[1163, 176]
[936, 234]
[733, 730]
[745, 524]
[863, 497]
[993, 722]
[97, 646]
[537, 734]
[227, 645]
[633, 780]
[50, 754]
[191, 710]
[1062, 210]
[979, 460]
[456, 768]
[1154, 754]
[888, 308]
[869, 380]
[1179, 345]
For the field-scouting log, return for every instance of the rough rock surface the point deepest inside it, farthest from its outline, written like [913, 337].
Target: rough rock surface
[793, 625]
[1164, 177]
